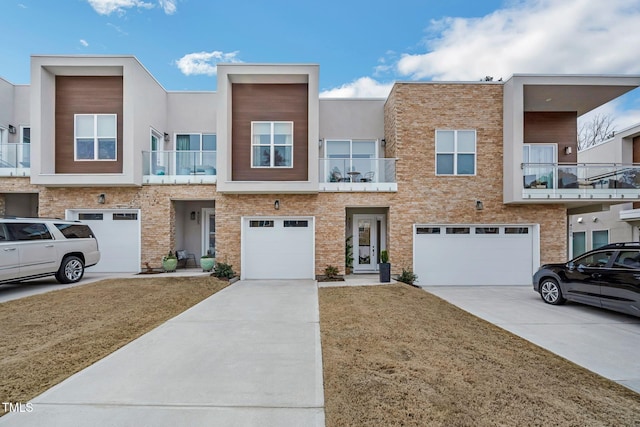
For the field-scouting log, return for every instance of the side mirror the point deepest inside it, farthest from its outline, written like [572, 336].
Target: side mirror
[571, 266]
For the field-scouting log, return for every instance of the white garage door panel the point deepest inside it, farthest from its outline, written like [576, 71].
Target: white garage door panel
[278, 252]
[474, 259]
[118, 240]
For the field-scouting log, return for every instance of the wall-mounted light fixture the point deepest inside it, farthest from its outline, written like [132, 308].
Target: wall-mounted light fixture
[276, 204]
[580, 220]
[166, 137]
[384, 142]
[568, 149]
[193, 215]
[12, 129]
[320, 143]
[594, 219]
[102, 198]
[479, 205]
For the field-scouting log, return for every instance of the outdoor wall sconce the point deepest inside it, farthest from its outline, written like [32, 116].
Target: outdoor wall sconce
[276, 204]
[595, 219]
[320, 143]
[384, 142]
[193, 215]
[102, 198]
[580, 220]
[479, 205]
[568, 149]
[12, 129]
[166, 137]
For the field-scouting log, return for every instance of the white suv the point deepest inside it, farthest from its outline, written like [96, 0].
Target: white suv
[38, 247]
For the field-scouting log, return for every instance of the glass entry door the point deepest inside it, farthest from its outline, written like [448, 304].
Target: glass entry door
[209, 231]
[367, 231]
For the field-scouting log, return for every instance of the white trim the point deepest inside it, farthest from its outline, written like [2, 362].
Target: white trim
[204, 216]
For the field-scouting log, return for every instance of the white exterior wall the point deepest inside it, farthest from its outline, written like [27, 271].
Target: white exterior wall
[7, 105]
[191, 112]
[22, 108]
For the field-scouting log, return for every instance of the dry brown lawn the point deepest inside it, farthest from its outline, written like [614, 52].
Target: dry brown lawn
[48, 337]
[397, 355]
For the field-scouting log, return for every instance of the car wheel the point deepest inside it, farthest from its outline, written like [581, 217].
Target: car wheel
[550, 292]
[71, 270]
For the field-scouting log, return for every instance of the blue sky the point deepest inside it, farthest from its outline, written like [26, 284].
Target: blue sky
[361, 47]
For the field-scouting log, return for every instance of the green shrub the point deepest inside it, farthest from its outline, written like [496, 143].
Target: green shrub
[407, 276]
[384, 257]
[331, 272]
[223, 270]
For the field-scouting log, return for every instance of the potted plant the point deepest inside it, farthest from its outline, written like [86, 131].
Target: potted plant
[169, 262]
[348, 255]
[384, 267]
[207, 261]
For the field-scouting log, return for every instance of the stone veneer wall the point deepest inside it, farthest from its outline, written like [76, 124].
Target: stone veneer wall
[412, 114]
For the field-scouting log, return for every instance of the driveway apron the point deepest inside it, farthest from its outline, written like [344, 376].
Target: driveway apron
[248, 355]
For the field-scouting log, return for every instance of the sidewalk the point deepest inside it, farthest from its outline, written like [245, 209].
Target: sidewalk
[248, 355]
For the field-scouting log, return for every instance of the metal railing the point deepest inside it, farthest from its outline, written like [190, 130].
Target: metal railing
[355, 169]
[179, 163]
[585, 176]
[15, 159]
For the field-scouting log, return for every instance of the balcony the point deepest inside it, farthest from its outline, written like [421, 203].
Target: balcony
[358, 174]
[595, 181]
[15, 160]
[179, 167]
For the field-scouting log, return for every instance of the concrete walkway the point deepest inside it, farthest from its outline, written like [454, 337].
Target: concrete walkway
[249, 355]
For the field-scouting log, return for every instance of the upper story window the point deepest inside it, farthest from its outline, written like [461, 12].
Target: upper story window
[271, 144]
[95, 136]
[197, 152]
[455, 152]
[351, 159]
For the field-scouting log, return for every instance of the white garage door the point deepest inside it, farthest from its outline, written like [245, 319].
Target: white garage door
[475, 254]
[278, 248]
[118, 234]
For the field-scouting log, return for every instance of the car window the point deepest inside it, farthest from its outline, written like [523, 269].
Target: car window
[594, 260]
[75, 231]
[28, 231]
[4, 234]
[628, 259]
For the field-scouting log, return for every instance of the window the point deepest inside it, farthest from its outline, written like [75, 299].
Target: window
[539, 160]
[595, 260]
[487, 230]
[516, 230]
[272, 144]
[296, 223]
[95, 136]
[628, 259]
[196, 153]
[125, 217]
[75, 231]
[428, 230]
[351, 156]
[29, 231]
[599, 238]
[90, 216]
[261, 224]
[579, 243]
[455, 152]
[458, 230]
[24, 152]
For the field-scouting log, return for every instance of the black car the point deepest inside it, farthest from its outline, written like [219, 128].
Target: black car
[607, 277]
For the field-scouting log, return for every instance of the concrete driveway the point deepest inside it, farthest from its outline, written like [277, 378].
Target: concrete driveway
[604, 342]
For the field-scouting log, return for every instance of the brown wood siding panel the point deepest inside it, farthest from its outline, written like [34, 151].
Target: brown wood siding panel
[269, 102]
[85, 95]
[553, 127]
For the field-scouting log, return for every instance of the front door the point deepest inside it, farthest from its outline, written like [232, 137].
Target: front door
[368, 231]
[209, 231]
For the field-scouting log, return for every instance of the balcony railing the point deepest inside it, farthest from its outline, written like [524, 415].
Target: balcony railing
[179, 167]
[15, 159]
[357, 174]
[593, 180]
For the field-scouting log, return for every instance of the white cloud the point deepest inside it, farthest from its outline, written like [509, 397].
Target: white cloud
[364, 87]
[84, 43]
[107, 7]
[533, 36]
[22, 6]
[169, 6]
[118, 29]
[204, 62]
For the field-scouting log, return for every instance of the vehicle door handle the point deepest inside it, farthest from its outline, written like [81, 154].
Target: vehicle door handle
[9, 249]
[48, 246]
[596, 275]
